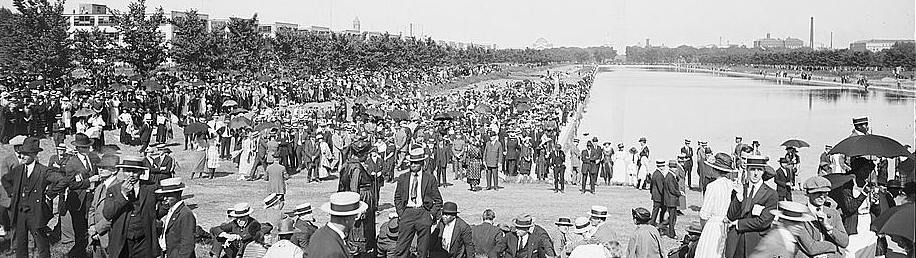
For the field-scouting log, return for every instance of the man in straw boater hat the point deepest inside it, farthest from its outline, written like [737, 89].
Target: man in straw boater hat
[82, 171]
[330, 240]
[284, 247]
[716, 201]
[179, 223]
[131, 208]
[657, 192]
[600, 229]
[452, 235]
[356, 176]
[789, 235]
[749, 212]
[232, 237]
[98, 225]
[29, 185]
[304, 223]
[417, 202]
[527, 240]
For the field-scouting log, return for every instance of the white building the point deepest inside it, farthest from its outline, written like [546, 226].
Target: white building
[876, 45]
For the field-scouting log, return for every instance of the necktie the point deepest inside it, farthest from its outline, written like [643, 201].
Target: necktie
[413, 187]
[751, 193]
[521, 243]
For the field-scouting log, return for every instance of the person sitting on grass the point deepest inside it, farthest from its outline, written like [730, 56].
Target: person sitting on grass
[231, 237]
[645, 241]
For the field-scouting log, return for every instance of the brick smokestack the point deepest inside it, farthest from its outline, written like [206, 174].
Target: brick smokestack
[811, 37]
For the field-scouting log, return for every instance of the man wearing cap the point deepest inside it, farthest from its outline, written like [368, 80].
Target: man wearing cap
[304, 223]
[232, 237]
[82, 172]
[179, 222]
[527, 240]
[601, 231]
[486, 235]
[657, 190]
[784, 180]
[827, 230]
[31, 186]
[98, 225]
[131, 208]
[329, 240]
[493, 153]
[749, 212]
[645, 241]
[687, 153]
[418, 203]
[860, 126]
[452, 235]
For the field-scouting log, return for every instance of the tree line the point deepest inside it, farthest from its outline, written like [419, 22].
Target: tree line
[900, 55]
[37, 44]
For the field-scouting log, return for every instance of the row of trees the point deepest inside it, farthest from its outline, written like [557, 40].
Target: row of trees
[38, 44]
[900, 55]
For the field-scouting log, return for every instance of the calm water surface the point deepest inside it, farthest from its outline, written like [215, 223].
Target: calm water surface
[668, 106]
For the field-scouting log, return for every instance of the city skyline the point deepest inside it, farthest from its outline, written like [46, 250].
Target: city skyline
[619, 23]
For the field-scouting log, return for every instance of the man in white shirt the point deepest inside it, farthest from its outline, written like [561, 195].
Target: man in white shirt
[179, 222]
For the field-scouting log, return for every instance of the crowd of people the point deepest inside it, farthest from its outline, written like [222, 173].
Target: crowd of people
[368, 130]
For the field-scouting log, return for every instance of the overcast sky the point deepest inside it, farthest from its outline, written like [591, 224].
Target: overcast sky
[518, 23]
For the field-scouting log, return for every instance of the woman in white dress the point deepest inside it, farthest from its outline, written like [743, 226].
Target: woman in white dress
[326, 161]
[620, 166]
[631, 167]
[715, 207]
[247, 156]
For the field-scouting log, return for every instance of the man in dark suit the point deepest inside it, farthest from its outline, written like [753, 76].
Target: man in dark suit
[590, 157]
[557, 160]
[512, 149]
[657, 189]
[31, 186]
[82, 172]
[305, 224]
[783, 180]
[452, 235]
[671, 193]
[493, 153]
[527, 241]
[131, 208]
[443, 156]
[688, 162]
[749, 211]
[418, 202]
[486, 235]
[146, 132]
[307, 154]
[177, 239]
[328, 241]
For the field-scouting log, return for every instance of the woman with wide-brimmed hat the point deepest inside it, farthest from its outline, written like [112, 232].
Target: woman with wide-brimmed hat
[715, 207]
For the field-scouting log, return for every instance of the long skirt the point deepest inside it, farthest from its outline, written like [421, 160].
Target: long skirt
[621, 176]
[712, 240]
[606, 171]
[363, 232]
[201, 157]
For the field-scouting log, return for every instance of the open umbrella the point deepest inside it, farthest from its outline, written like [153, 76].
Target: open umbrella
[483, 109]
[195, 128]
[522, 107]
[265, 78]
[238, 110]
[398, 115]
[442, 116]
[239, 122]
[375, 112]
[152, 85]
[230, 103]
[900, 223]
[265, 126]
[795, 143]
[864, 145]
[362, 99]
[84, 113]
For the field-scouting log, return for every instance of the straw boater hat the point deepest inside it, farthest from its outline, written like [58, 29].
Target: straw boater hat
[523, 221]
[757, 160]
[170, 185]
[344, 204]
[722, 162]
[61, 147]
[695, 228]
[672, 163]
[417, 155]
[661, 162]
[240, 210]
[581, 225]
[301, 209]
[132, 163]
[860, 120]
[563, 221]
[598, 211]
[792, 211]
[272, 200]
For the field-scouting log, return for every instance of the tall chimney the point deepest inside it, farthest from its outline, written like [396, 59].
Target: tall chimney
[647, 42]
[811, 37]
[768, 35]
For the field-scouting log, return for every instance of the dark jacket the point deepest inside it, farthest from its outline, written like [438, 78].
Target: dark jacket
[751, 227]
[78, 196]
[538, 245]
[512, 149]
[782, 181]
[326, 243]
[486, 237]
[179, 233]
[117, 209]
[671, 191]
[432, 200]
[557, 159]
[32, 192]
[306, 230]
[657, 186]
[461, 245]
